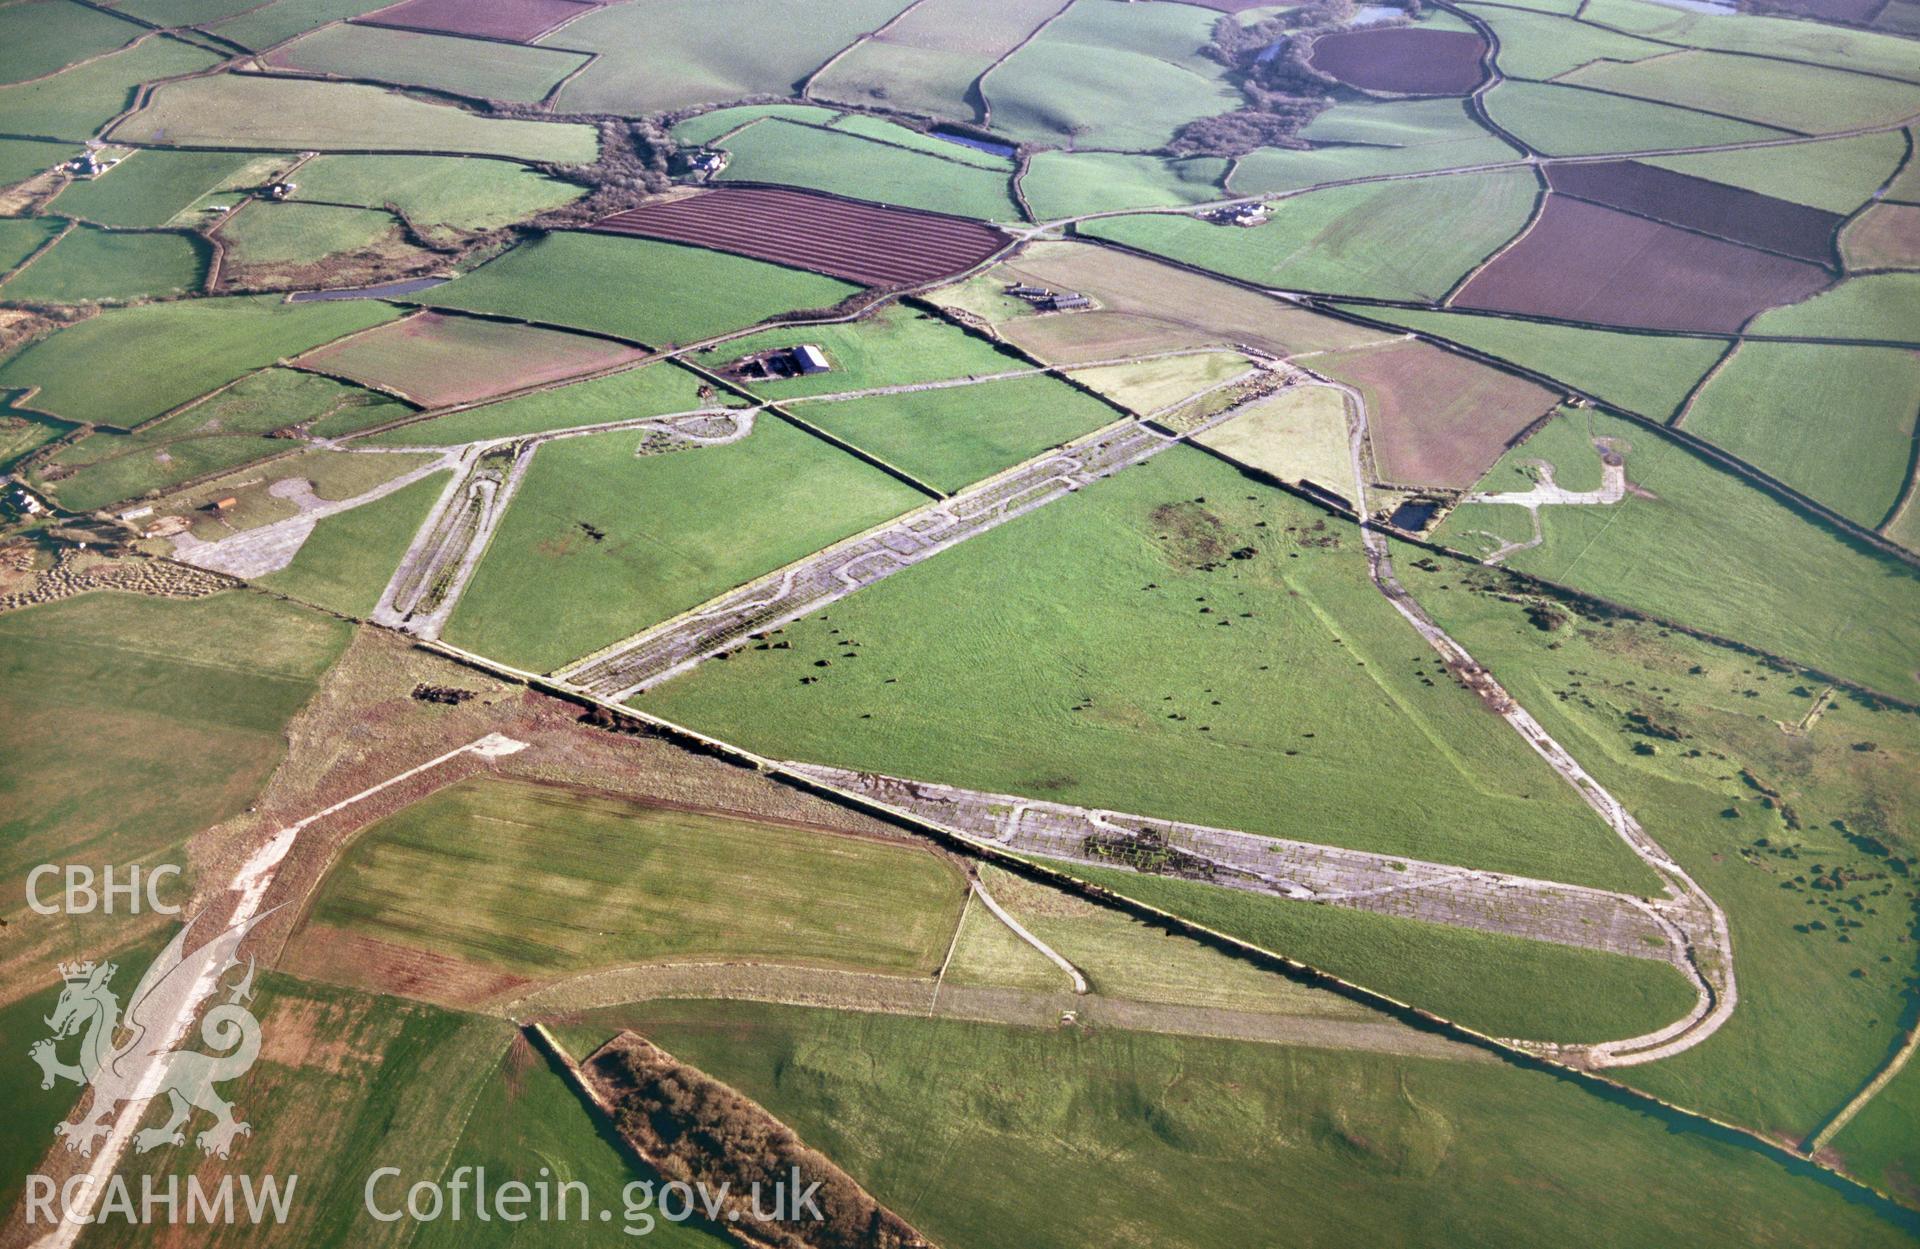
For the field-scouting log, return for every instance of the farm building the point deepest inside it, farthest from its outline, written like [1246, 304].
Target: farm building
[809, 359]
[135, 513]
[90, 165]
[1239, 215]
[1065, 301]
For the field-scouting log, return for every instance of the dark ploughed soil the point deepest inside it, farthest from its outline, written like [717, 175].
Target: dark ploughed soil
[1402, 59]
[863, 243]
[1713, 207]
[518, 20]
[1582, 262]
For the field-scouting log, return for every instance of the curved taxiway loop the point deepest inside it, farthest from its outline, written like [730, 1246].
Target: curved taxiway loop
[1692, 918]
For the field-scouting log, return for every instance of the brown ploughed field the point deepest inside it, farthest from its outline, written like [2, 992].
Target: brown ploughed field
[1730, 212]
[1436, 418]
[520, 21]
[1582, 262]
[1403, 60]
[863, 243]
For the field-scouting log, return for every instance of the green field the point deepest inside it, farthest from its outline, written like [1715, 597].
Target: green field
[182, 706]
[293, 114]
[679, 529]
[528, 1124]
[1396, 123]
[227, 430]
[587, 280]
[896, 346]
[1775, 581]
[347, 560]
[1500, 985]
[1541, 45]
[283, 19]
[1565, 121]
[704, 128]
[1068, 184]
[1372, 138]
[1366, 1148]
[800, 155]
[1791, 96]
[1645, 373]
[652, 391]
[184, 12]
[1268, 170]
[1838, 175]
[152, 187]
[675, 53]
[1823, 968]
[1906, 183]
[928, 60]
[22, 158]
[881, 131]
[1113, 655]
[1123, 957]
[1065, 87]
[932, 82]
[23, 432]
[952, 437]
[479, 68]
[462, 192]
[263, 233]
[92, 265]
[1879, 1144]
[75, 103]
[550, 882]
[21, 237]
[1397, 240]
[1834, 422]
[1877, 306]
[1789, 38]
[183, 351]
[41, 36]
